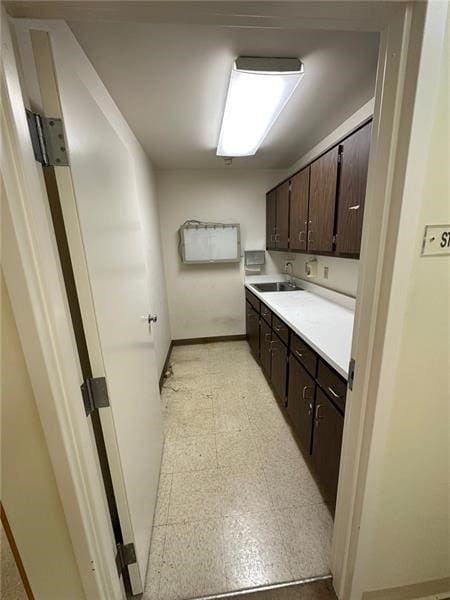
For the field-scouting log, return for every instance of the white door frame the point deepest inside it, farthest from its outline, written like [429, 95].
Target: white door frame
[395, 93]
[37, 293]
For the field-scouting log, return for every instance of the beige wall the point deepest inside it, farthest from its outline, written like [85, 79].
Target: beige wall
[208, 300]
[29, 493]
[405, 525]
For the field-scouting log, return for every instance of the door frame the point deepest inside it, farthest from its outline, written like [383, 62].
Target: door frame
[40, 308]
[398, 68]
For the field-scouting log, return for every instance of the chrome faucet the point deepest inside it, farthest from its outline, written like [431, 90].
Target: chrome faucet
[287, 264]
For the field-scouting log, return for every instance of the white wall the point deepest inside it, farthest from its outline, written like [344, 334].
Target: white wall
[208, 300]
[29, 493]
[405, 524]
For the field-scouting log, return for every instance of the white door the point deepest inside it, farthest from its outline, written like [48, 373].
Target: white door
[99, 199]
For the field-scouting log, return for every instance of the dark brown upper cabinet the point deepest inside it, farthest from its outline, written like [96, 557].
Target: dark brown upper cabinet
[322, 201]
[282, 224]
[352, 190]
[271, 220]
[298, 222]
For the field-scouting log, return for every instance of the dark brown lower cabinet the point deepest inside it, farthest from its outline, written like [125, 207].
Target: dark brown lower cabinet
[265, 344]
[252, 328]
[327, 441]
[279, 368]
[300, 402]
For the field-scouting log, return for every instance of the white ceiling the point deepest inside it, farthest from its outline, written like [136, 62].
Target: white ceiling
[170, 82]
[167, 66]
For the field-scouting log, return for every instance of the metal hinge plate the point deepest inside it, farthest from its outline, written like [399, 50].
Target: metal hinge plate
[351, 373]
[126, 555]
[47, 138]
[95, 394]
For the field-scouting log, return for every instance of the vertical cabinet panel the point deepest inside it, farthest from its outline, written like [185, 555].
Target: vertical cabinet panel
[298, 220]
[252, 328]
[322, 201]
[271, 219]
[352, 190]
[282, 223]
[265, 343]
[300, 403]
[327, 441]
[279, 368]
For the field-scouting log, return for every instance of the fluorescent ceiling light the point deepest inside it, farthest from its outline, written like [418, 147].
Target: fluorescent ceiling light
[258, 91]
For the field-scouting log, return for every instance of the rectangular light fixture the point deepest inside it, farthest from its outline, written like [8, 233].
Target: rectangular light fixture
[258, 91]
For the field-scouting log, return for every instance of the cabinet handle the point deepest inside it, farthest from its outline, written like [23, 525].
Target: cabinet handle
[272, 238]
[310, 409]
[306, 387]
[277, 237]
[301, 236]
[318, 416]
[310, 241]
[332, 392]
[299, 354]
[354, 207]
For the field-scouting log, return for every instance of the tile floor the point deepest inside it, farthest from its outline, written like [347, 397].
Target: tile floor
[237, 506]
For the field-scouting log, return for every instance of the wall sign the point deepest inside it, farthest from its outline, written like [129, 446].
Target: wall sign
[436, 240]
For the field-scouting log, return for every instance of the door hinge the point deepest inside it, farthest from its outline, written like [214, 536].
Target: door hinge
[126, 555]
[95, 394]
[351, 373]
[47, 139]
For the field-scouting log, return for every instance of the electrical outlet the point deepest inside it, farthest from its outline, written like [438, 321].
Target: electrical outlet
[325, 272]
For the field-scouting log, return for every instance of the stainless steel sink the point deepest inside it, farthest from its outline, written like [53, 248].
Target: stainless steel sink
[276, 286]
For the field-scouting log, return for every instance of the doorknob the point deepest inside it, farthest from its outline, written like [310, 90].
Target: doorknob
[150, 318]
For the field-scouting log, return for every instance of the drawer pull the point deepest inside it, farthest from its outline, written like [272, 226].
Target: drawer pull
[332, 392]
[318, 416]
[299, 354]
[305, 388]
[310, 409]
[354, 207]
[301, 236]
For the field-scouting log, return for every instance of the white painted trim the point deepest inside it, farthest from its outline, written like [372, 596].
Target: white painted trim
[394, 105]
[40, 309]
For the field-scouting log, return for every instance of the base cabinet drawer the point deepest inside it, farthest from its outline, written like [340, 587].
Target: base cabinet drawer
[254, 301]
[300, 402]
[279, 365]
[304, 354]
[326, 448]
[266, 314]
[280, 328]
[334, 386]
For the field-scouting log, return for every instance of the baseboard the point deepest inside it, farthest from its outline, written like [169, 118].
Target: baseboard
[210, 340]
[166, 364]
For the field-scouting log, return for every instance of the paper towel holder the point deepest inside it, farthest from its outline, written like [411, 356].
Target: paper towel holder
[255, 258]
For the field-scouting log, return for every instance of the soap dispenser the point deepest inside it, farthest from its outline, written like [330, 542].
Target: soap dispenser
[311, 268]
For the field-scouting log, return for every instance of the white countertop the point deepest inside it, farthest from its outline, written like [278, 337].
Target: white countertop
[323, 318]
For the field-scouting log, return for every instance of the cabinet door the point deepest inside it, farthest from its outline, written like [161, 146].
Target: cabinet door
[300, 402]
[266, 339]
[252, 329]
[279, 368]
[322, 201]
[298, 219]
[271, 219]
[282, 224]
[352, 190]
[327, 441]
